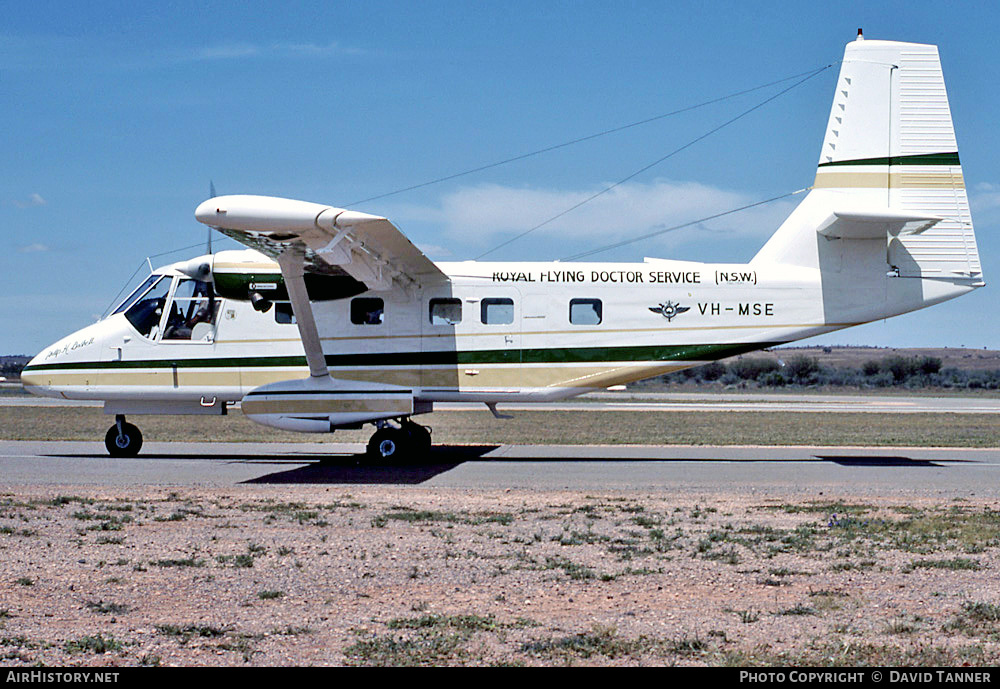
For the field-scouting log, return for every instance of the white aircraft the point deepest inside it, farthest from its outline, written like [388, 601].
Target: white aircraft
[333, 319]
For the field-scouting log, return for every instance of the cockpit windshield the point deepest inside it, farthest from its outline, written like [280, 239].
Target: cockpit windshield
[191, 309]
[192, 312]
[145, 311]
[138, 292]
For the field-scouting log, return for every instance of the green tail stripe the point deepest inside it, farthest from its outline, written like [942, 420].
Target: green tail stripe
[917, 159]
[695, 352]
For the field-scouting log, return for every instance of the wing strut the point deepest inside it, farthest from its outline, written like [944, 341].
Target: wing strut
[292, 261]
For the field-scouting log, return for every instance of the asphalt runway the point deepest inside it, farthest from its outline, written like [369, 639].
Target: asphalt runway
[800, 470]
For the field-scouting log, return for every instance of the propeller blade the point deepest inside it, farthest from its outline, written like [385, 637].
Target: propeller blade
[211, 195]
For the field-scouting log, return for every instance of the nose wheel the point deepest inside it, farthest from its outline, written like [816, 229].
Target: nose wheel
[390, 444]
[123, 439]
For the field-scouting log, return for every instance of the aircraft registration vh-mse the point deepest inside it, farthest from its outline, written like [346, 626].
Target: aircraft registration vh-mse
[334, 319]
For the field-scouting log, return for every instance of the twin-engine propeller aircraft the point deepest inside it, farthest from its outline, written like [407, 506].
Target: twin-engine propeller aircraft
[333, 319]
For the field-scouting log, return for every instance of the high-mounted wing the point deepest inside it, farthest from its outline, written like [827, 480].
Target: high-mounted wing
[310, 237]
[334, 241]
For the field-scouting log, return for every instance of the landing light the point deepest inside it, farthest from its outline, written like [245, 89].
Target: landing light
[259, 303]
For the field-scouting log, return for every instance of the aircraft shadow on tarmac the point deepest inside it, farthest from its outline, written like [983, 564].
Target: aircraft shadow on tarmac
[347, 469]
[880, 461]
[356, 469]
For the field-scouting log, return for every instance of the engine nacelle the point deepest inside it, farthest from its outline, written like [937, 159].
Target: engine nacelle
[242, 279]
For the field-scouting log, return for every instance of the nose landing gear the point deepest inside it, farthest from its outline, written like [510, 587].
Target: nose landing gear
[123, 439]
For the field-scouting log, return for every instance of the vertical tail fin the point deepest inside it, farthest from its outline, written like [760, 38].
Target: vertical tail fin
[889, 151]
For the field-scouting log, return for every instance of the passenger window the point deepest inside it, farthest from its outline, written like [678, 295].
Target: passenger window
[446, 311]
[497, 311]
[145, 313]
[192, 312]
[367, 311]
[585, 311]
[283, 313]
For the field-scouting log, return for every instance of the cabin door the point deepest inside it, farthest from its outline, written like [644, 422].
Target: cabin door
[471, 338]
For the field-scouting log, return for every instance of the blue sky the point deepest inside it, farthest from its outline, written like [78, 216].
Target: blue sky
[116, 116]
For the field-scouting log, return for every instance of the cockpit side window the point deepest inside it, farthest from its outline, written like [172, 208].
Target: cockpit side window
[193, 312]
[283, 313]
[145, 311]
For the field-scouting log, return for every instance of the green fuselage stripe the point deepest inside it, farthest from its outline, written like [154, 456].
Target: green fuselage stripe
[694, 352]
[918, 159]
[328, 393]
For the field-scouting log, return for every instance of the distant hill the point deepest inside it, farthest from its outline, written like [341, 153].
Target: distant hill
[821, 367]
[16, 359]
[855, 357]
[11, 365]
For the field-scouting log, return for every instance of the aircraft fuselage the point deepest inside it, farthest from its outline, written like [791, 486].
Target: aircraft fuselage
[497, 332]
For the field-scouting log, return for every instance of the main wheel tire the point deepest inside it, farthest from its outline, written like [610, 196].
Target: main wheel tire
[389, 445]
[420, 436]
[127, 444]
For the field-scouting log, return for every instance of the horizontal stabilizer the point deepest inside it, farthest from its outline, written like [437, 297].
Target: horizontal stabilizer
[875, 224]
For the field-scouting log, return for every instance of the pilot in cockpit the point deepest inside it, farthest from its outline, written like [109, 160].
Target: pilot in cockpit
[188, 312]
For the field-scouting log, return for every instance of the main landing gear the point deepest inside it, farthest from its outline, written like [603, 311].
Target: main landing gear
[123, 439]
[392, 444]
[389, 444]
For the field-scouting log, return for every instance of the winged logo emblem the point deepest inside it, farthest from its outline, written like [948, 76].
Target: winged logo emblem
[669, 309]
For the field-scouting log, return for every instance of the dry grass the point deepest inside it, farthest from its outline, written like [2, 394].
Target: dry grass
[414, 576]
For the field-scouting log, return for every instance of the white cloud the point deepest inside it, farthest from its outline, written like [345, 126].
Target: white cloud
[225, 52]
[236, 51]
[434, 251]
[40, 52]
[32, 201]
[33, 248]
[985, 196]
[332, 48]
[489, 213]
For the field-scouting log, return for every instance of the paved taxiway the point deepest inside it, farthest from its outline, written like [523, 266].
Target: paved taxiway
[873, 470]
[810, 470]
